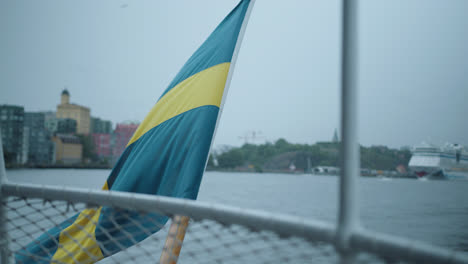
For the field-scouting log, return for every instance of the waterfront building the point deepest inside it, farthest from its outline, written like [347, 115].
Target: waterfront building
[122, 134]
[326, 170]
[66, 126]
[68, 149]
[101, 132]
[37, 140]
[102, 145]
[77, 112]
[99, 126]
[11, 124]
[25, 148]
[50, 121]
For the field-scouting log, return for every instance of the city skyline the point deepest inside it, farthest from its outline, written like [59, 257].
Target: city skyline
[249, 136]
[69, 136]
[286, 83]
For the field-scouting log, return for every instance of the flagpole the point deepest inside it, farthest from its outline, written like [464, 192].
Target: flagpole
[231, 68]
[179, 224]
[174, 240]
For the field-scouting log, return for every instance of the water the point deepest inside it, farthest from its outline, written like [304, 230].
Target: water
[435, 212]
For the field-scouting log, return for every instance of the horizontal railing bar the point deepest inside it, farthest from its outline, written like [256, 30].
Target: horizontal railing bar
[391, 247]
[284, 225]
[399, 248]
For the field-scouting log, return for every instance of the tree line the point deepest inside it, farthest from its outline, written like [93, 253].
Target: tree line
[280, 155]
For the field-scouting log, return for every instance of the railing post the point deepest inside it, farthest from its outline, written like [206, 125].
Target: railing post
[4, 252]
[348, 218]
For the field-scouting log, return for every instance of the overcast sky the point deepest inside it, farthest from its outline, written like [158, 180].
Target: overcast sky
[117, 57]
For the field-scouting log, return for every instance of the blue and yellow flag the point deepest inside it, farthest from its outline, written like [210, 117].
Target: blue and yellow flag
[166, 156]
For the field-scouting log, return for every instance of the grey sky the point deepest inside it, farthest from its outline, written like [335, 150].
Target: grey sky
[117, 57]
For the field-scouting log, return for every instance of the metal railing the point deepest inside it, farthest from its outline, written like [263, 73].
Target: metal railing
[348, 217]
[387, 248]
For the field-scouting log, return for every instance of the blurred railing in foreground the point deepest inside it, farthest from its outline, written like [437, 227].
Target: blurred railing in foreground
[216, 233]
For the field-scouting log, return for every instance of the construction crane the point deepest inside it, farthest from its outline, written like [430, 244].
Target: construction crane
[252, 136]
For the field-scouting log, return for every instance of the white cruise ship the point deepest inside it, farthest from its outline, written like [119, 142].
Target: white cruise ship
[447, 162]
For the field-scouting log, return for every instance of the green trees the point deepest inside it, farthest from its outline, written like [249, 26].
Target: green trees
[383, 158]
[231, 159]
[278, 156]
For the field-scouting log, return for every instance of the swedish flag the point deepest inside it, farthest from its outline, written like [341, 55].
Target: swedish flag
[166, 156]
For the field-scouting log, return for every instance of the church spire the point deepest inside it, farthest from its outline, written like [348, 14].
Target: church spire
[335, 137]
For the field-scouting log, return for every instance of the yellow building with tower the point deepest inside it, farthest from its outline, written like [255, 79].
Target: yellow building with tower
[81, 114]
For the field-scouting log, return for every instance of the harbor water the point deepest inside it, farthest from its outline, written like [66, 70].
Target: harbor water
[435, 212]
